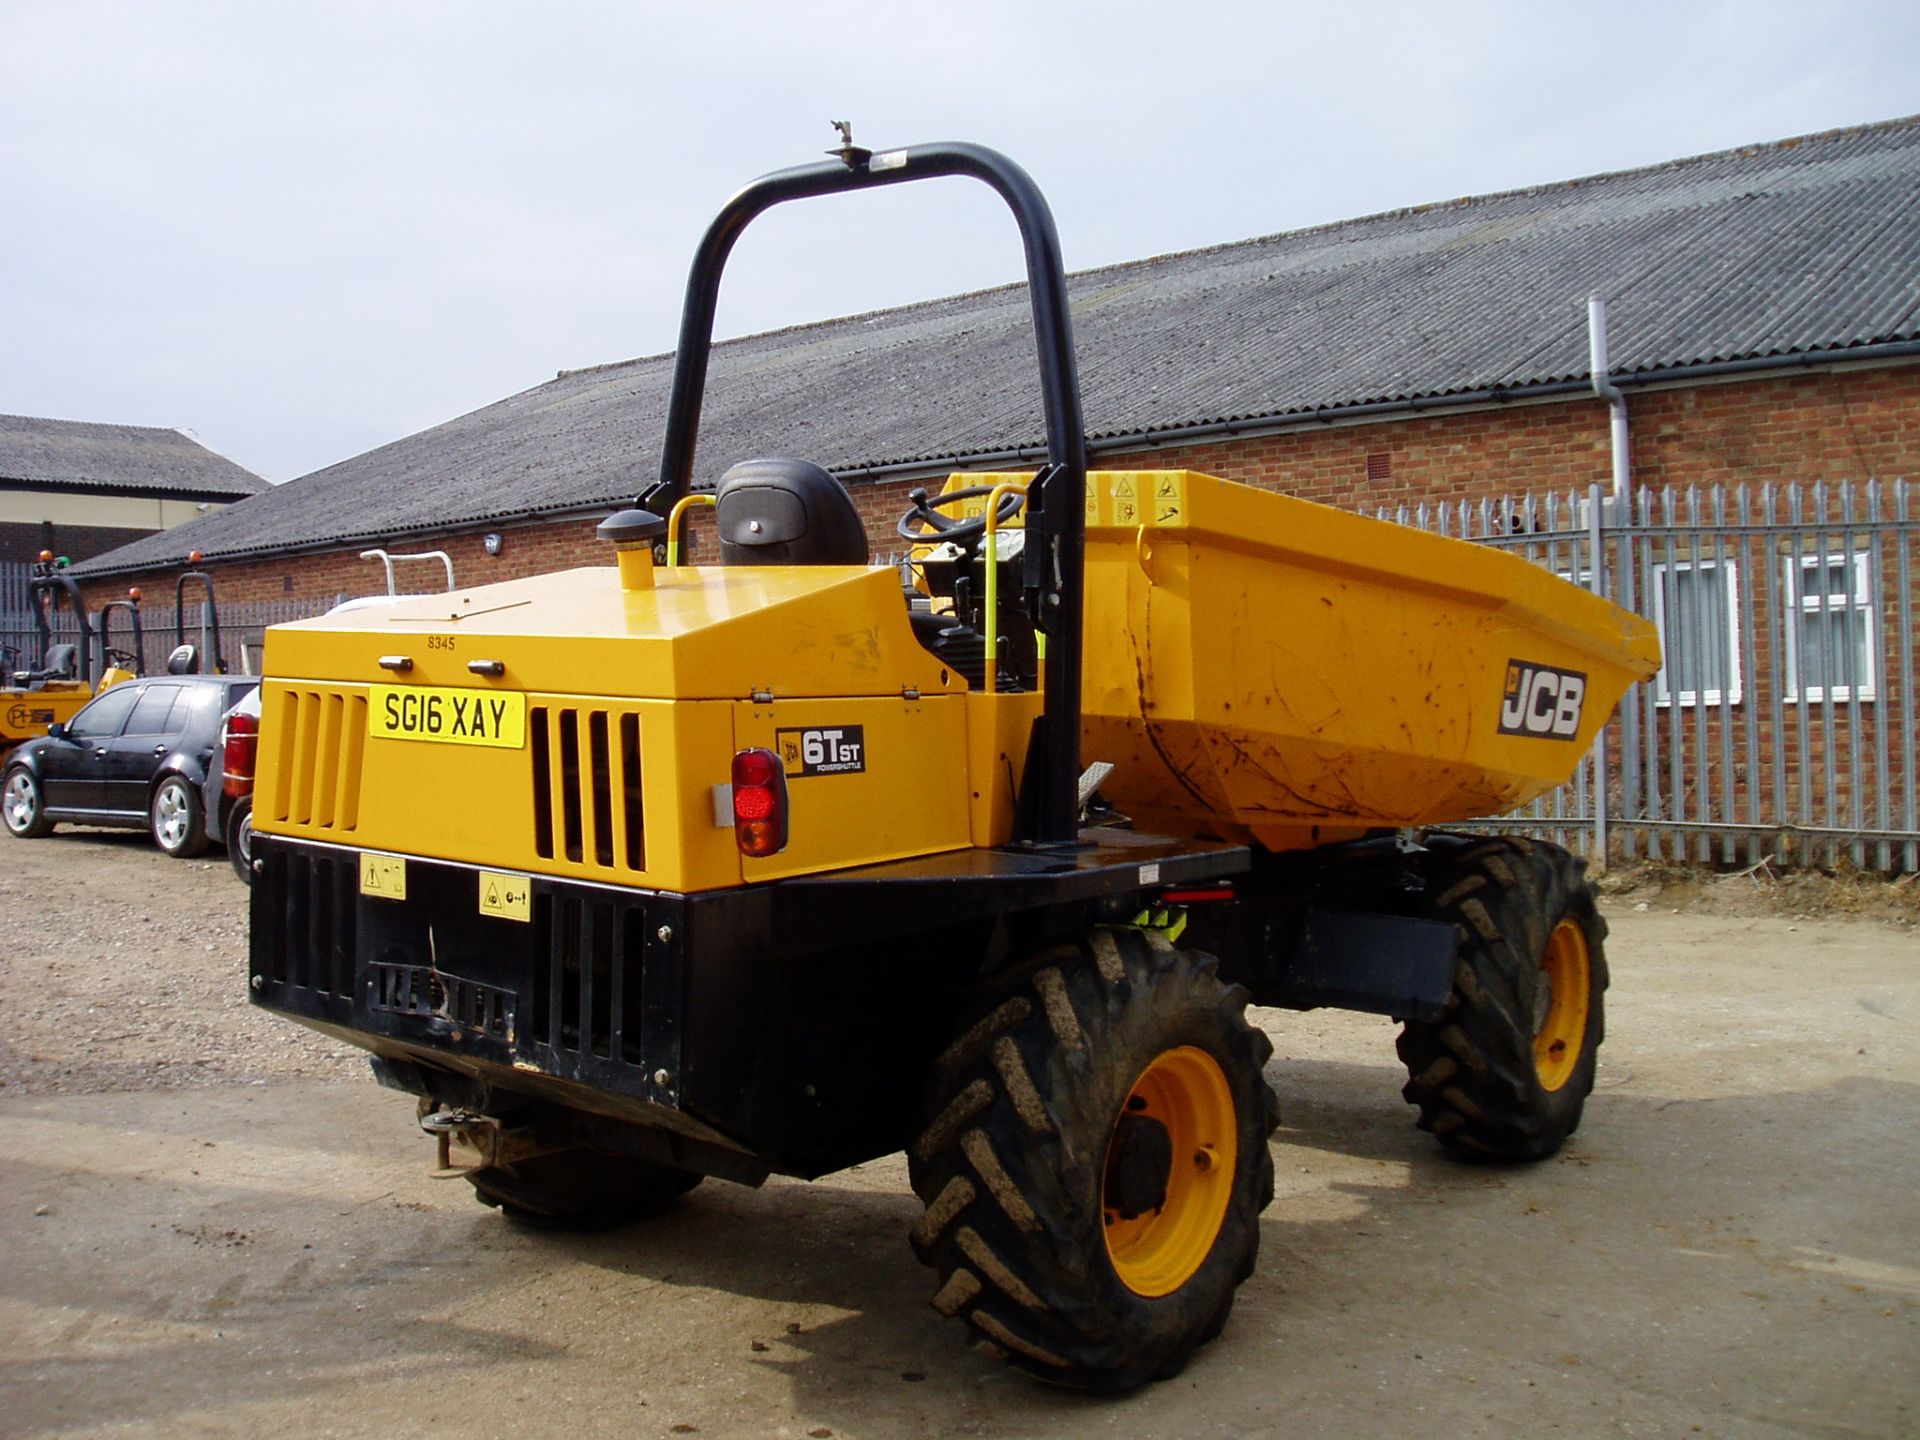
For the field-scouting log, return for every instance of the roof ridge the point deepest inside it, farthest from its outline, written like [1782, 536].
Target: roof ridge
[1120, 267]
[106, 425]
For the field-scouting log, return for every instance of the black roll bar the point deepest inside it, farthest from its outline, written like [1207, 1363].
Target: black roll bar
[212, 617]
[1056, 515]
[131, 604]
[55, 585]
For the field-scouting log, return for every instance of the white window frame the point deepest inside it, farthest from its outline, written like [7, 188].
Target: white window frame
[1731, 695]
[1799, 602]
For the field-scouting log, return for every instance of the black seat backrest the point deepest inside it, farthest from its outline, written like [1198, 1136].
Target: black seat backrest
[63, 662]
[787, 512]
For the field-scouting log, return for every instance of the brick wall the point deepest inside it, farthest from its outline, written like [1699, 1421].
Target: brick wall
[1835, 425]
[1838, 426]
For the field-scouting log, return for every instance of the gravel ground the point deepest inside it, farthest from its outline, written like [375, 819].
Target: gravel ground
[125, 970]
[212, 1223]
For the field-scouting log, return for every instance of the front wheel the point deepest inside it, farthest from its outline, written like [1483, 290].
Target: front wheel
[23, 806]
[1505, 1072]
[177, 821]
[1096, 1162]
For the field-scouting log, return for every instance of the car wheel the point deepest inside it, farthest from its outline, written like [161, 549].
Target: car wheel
[22, 805]
[240, 838]
[177, 823]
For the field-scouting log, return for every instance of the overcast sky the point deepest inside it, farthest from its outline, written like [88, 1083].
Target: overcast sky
[301, 232]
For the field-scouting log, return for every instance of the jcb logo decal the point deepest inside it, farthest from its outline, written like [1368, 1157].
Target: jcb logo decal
[822, 750]
[1542, 701]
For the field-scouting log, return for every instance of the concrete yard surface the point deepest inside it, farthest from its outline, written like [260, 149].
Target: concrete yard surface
[214, 1224]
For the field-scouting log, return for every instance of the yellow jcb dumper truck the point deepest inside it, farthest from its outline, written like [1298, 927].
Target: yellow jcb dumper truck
[645, 872]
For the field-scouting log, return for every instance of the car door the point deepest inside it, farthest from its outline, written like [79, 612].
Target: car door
[142, 743]
[73, 769]
[196, 727]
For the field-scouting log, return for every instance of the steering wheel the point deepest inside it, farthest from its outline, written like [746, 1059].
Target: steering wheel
[926, 509]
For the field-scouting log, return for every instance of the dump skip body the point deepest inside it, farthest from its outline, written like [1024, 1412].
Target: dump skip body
[1263, 668]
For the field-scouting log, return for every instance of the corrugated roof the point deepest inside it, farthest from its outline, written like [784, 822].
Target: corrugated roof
[116, 459]
[1801, 248]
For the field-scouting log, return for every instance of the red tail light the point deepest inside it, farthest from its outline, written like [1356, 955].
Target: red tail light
[238, 746]
[759, 803]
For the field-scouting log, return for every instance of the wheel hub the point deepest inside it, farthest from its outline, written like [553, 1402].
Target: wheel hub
[1169, 1171]
[1567, 973]
[1139, 1164]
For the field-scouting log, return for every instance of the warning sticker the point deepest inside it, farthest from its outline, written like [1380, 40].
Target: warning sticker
[383, 876]
[506, 897]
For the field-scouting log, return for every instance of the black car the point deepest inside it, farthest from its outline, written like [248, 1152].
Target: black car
[136, 757]
[227, 796]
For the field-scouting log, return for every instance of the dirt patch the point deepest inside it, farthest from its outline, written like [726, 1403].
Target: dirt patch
[1796, 894]
[125, 970]
[212, 1222]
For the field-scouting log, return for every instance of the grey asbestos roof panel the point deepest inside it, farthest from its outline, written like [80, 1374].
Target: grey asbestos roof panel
[1804, 247]
[76, 455]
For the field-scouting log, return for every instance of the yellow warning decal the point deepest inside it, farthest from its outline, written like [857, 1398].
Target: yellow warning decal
[1170, 500]
[506, 897]
[383, 876]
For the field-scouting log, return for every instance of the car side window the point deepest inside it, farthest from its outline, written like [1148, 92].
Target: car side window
[198, 707]
[101, 719]
[150, 714]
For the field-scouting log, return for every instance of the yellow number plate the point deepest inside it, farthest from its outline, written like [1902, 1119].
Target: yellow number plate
[449, 716]
[507, 897]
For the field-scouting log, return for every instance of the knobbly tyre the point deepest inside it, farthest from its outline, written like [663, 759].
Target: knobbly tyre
[763, 866]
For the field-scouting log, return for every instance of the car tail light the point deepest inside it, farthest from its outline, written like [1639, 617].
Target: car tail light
[239, 743]
[759, 803]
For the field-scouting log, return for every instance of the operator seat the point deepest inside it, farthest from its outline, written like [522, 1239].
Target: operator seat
[63, 663]
[780, 511]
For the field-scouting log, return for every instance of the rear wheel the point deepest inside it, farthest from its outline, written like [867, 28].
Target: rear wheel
[1505, 1072]
[23, 806]
[177, 822]
[240, 838]
[580, 1189]
[1096, 1162]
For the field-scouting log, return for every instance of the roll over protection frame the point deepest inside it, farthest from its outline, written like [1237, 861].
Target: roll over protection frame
[212, 615]
[103, 639]
[46, 587]
[1056, 499]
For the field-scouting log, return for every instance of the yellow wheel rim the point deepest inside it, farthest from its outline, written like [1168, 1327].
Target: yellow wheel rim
[1157, 1252]
[1557, 1044]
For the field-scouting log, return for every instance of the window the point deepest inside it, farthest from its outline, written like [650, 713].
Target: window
[1696, 607]
[150, 715]
[101, 719]
[201, 704]
[1830, 629]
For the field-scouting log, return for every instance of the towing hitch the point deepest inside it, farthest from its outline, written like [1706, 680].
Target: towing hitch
[470, 1142]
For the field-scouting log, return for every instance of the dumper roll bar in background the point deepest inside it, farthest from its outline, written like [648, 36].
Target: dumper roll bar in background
[103, 638]
[46, 588]
[210, 620]
[1052, 579]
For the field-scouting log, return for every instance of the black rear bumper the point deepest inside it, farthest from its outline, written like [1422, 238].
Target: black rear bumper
[791, 1023]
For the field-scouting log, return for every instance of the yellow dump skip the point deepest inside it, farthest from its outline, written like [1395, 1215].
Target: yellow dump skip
[1260, 667]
